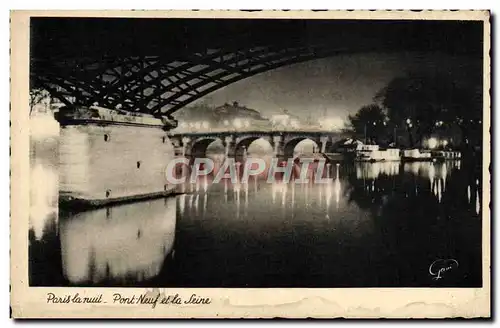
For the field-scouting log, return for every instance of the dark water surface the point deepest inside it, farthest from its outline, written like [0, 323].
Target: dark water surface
[374, 225]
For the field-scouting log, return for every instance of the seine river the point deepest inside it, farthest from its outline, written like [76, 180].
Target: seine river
[374, 225]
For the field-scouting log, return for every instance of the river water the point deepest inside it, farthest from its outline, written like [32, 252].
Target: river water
[373, 225]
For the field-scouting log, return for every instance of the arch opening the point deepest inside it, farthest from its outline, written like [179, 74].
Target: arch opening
[204, 147]
[301, 146]
[253, 147]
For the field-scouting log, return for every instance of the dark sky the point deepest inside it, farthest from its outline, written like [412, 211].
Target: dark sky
[373, 52]
[337, 86]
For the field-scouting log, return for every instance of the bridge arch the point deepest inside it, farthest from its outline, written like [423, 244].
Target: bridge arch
[290, 145]
[198, 147]
[245, 143]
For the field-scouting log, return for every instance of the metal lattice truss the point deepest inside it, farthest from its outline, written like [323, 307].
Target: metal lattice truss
[162, 84]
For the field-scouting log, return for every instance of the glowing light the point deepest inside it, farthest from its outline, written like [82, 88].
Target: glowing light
[197, 125]
[246, 123]
[432, 142]
[334, 123]
[237, 123]
[439, 191]
[445, 143]
[183, 125]
[182, 204]
[226, 122]
[432, 173]
[337, 192]
[196, 202]
[444, 173]
[478, 203]
[205, 125]
[294, 124]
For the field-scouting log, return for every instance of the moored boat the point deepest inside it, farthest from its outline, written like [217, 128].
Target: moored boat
[415, 155]
[442, 155]
[373, 153]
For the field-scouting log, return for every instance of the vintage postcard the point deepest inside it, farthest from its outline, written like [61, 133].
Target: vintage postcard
[236, 164]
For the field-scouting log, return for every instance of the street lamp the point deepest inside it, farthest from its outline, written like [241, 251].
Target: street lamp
[409, 126]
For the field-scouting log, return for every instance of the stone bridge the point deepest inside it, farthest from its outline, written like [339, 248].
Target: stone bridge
[195, 144]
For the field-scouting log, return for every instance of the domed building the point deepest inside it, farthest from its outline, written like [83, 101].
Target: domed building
[230, 116]
[234, 110]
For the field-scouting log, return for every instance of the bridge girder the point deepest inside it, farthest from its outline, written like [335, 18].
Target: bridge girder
[160, 86]
[166, 74]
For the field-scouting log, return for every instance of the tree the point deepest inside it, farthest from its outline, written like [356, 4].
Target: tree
[412, 102]
[37, 98]
[423, 102]
[465, 111]
[369, 122]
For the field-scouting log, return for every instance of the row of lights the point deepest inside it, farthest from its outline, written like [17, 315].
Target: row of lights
[329, 123]
[195, 125]
[434, 142]
[333, 123]
[237, 123]
[437, 124]
[286, 121]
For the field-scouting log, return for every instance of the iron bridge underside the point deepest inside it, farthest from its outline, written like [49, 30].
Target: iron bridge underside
[132, 67]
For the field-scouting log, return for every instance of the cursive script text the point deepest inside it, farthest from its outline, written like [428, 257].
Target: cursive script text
[439, 267]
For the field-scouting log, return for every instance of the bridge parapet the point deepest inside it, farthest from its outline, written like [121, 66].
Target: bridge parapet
[250, 129]
[283, 142]
[85, 115]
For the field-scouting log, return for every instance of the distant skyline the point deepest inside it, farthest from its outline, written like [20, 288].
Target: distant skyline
[337, 86]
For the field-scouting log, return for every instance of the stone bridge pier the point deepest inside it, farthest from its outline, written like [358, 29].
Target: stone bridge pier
[107, 156]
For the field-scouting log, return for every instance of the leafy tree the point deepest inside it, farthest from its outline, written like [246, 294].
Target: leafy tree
[465, 111]
[369, 123]
[37, 98]
[424, 102]
[413, 102]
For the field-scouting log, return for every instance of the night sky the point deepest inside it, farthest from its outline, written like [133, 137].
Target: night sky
[337, 86]
[370, 54]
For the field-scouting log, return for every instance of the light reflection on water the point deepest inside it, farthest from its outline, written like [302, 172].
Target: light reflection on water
[44, 177]
[388, 219]
[118, 243]
[369, 174]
